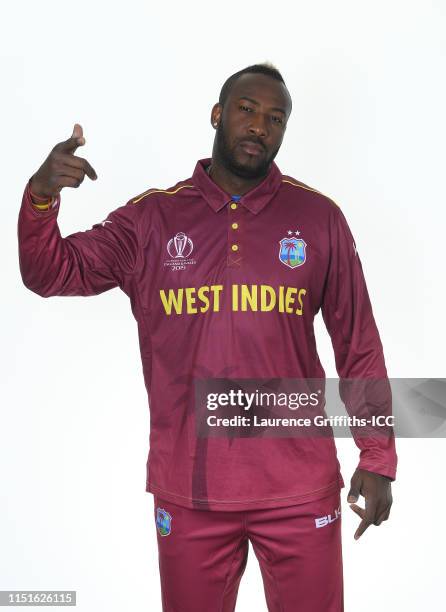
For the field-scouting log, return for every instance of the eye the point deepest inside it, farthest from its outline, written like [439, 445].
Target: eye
[245, 108]
[277, 119]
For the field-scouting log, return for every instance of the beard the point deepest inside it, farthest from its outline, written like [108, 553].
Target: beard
[254, 169]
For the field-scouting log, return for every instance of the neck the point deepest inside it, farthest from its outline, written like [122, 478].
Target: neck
[230, 182]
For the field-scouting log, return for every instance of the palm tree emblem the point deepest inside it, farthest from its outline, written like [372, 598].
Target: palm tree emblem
[289, 246]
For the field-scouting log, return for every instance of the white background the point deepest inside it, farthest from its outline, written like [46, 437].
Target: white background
[368, 85]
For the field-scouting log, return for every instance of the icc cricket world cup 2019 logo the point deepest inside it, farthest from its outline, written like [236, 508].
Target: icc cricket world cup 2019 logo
[180, 246]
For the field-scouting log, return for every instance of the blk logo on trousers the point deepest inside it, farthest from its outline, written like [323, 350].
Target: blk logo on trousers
[323, 521]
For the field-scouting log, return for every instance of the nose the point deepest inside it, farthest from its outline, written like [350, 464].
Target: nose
[258, 126]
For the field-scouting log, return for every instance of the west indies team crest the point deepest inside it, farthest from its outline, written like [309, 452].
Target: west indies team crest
[292, 250]
[163, 522]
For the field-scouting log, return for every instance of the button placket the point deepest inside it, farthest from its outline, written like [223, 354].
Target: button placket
[234, 257]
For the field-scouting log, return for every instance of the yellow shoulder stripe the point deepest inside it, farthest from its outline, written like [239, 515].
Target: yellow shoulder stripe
[150, 191]
[309, 189]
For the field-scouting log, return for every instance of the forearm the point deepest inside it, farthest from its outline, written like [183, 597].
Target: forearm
[369, 402]
[84, 263]
[54, 266]
[41, 248]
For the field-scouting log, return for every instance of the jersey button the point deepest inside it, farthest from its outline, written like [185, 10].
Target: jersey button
[234, 225]
[233, 205]
[234, 247]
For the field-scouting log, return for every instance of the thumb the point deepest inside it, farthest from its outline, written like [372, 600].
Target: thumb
[353, 496]
[78, 133]
[76, 140]
[355, 490]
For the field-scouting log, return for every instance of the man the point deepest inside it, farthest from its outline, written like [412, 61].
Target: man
[225, 272]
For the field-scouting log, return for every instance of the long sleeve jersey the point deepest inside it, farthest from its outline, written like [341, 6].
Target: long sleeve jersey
[225, 287]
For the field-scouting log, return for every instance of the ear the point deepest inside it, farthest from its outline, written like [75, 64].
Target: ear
[216, 115]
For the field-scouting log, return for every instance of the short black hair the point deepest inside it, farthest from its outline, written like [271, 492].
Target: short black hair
[266, 68]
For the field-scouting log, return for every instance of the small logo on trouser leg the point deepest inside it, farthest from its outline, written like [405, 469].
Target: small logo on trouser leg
[323, 521]
[163, 522]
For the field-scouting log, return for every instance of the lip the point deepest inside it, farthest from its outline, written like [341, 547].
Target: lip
[251, 147]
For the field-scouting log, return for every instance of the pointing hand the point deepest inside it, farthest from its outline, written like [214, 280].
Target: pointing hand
[62, 168]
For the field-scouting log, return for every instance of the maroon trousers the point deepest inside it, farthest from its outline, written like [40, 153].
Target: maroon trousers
[203, 554]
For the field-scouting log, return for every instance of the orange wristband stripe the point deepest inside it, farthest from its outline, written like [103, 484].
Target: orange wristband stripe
[39, 198]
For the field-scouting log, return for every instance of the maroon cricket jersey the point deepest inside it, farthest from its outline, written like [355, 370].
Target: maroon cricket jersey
[224, 289]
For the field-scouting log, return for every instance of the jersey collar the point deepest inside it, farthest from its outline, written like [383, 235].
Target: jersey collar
[253, 200]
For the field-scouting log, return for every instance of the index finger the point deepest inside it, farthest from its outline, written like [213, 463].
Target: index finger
[363, 525]
[368, 519]
[81, 163]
